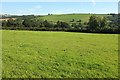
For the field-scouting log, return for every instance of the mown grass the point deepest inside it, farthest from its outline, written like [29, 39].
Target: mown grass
[69, 17]
[35, 54]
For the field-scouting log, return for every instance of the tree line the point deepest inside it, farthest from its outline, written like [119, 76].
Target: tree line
[95, 24]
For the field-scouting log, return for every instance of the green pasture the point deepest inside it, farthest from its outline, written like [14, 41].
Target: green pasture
[69, 17]
[37, 54]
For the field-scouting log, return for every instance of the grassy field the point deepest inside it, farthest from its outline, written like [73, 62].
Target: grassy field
[69, 17]
[35, 54]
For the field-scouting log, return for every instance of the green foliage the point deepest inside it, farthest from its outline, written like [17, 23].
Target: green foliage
[118, 22]
[78, 26]
[72, 20]
[32, 54]
[95, 24]
[103, 23]
[114, 21]
[12, 23]
[4, 23]
[62, 25]
[79, 20]
[47, 24]
[27, 23]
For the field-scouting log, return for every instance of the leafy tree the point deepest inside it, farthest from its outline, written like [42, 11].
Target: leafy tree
[103, 23]
[118, 21]
[114, 22]
[80, 25]
[19, 22]
[73, 25]
[79, 20]
[97, 23]
[72, 20]
[58, 25]
[93, 23]
[4, 23]
[64, 25]
[27, 23]
[48, 24]
[11, 23]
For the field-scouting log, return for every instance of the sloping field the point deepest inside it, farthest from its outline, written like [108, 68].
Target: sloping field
[69, 17]
[35, 54]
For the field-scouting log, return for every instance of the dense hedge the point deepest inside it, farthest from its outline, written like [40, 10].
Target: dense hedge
[95, 25]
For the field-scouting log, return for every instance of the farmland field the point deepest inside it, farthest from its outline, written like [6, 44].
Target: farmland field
[69, 17]
[39, 54]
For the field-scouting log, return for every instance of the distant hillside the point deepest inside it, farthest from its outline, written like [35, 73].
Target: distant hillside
[5, 16]
[6, 19]
[69, 17]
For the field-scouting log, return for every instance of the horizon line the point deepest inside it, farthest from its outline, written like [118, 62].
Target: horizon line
[55, 13]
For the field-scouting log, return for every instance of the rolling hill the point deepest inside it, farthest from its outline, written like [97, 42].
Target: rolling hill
[68, 17]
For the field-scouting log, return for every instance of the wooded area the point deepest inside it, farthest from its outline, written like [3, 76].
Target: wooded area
[108, 24]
